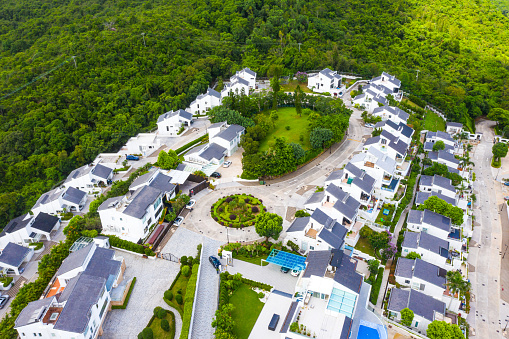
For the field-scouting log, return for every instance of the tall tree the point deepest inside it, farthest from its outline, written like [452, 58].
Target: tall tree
[499, 150]
[442, 330]
[268, 225]
[407, 316]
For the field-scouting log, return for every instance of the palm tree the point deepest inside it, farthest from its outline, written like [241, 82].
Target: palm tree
[455, 283]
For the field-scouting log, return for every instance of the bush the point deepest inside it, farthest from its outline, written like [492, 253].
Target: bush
[168, 295]
[233, 217]
[287, 128]
[293, 246]
[183, 260]
[165, 325]
[129, 246]
[36, 245]
[186, 271]
[188, 306]
[179, 299]
[260, 295]
[159, 312]
[375, 290]
[255, 209]
[147, 333]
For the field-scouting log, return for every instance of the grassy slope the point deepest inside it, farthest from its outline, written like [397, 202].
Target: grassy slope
[433, 122]
[298, 125]
[247, 308]
[292, 85]
[181, 284]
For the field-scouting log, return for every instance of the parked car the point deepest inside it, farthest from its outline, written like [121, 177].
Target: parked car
[284, 269]
[295, 273]
[215, 262]
[132, 157]
[227, 164]
[506, 198]
[191, 204]
[178, 221]
[216, 175]
[3, 300]
[506, 183]
[369, 125]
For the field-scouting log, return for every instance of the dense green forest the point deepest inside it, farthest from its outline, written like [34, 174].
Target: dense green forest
[136, 59]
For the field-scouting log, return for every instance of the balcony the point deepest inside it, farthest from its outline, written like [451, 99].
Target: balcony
[391, 186]
[369, 164]
[387, 178]
[311, 233]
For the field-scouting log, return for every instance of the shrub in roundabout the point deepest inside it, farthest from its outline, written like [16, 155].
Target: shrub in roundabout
[237, 211]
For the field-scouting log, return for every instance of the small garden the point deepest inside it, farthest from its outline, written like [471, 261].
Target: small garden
[239, 210]
[257, 251]
[385, 215]
[376, 244]
[433, 122]
[161, 325]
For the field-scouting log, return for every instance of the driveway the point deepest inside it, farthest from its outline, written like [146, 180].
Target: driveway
[153, 277]
[183, 242]
[206, 295]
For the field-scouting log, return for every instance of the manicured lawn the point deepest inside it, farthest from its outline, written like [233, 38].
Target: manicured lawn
[292, 85]
[298, 126]
[181, 284]
[247, 309]
[255, 259]
[239, 207]
[385, 217]
[432, 122]
[363, 245]
[159, 333]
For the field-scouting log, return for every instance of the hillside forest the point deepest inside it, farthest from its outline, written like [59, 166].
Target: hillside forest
[80, 77]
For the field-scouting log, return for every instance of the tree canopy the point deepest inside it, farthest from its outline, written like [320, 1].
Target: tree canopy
[437, 205]
[268, 225]
[407, 316]
[442, 330]
[499, 150]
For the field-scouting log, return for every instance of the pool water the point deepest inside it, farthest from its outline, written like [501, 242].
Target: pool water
[367, 333]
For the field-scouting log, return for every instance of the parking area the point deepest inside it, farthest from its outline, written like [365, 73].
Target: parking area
[269, 274]
[234, 171]
[183, 242]
[153, 277]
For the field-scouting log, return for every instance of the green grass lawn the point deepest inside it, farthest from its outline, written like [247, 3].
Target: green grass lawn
[411, 103]
[247, 309]
[298, 125]
[181, 284]
[391, 209]
[255, 259]
[363, 245]
[432, 122]
[159, 333]
[292, 85]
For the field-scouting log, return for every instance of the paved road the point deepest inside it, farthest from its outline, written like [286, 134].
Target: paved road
[484, 315]
[206, 295]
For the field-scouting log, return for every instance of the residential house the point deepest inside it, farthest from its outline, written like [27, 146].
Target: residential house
[426, 309]
[133, 216]
[369, 100]
[237, 85]
[13, 256]
[427, 278]
[353, 180]
[454, 128]
[169, 124]
[206, 154]
[205, 102]
[401, 130]
[437, 184]
[392, 113]
[428, 147]
[87, 178]
[248, 75]
[155, 179]
[390, 82]
[444, 157]
[228, 137]
[326, 81]
[27, 228]
[440, 136]
[143, 144]
[389, 144]
[60, 200]
[317, 232]
[434, 250]
[79, 298]
[421, 197]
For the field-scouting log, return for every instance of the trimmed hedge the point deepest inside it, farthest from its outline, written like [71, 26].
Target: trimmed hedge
[236, 218]
[188, 302]
[36, 245]
[375, 289]
[192, 143]
[409, 194]
[128, 296]
[130, 246]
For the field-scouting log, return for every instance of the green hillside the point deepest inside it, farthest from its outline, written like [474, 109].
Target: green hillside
[122, 79]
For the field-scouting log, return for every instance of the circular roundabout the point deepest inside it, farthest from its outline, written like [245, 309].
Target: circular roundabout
[237, 210]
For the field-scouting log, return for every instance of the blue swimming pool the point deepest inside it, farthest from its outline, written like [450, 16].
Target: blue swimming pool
[367, 333]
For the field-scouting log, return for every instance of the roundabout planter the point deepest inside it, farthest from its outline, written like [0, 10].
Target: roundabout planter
[237, 211]
[6, 288]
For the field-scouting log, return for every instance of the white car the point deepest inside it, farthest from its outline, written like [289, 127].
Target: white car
[178, 221]
[369, 125]
[227, 164]
[191, 204]
[295, 273]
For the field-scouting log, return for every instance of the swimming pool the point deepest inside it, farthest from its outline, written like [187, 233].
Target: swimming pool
[367, 333]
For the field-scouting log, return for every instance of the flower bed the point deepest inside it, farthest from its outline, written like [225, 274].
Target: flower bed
[239, 210]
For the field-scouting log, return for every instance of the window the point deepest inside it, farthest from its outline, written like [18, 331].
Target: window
[123, 229]
[312, 248]
[120, 219]
[407, 281]
[112, 218]
[145, 230]
[103, 308]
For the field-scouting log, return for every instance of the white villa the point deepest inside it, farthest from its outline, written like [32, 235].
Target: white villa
[204, 102]
[432, 249]
[170, 123]
[27, 228]
[87, 178]
[60, 200]
[326, 81]
[394, 114]
[437, 184]
[237, 85]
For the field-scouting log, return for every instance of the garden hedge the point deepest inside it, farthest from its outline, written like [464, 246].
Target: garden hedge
[220, 212]
[375, 289]
[188, 302]
[192, 143]
[129, 246]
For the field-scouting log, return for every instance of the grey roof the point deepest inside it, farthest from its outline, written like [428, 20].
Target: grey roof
[78, 172]
[353, 169]
[73, 195]
[102, 264]
[347, 206]
[16, 224]
[428, 146]
[321, 217]
[162, 182]
[196, 149]
[289, 316]
[404, 268]
[411, 240]
[336, 192]
[440, 135]
[102, 171]
[347, 326]
[75, 315]
[420, 303]
[443, 154]
[443, 182]
[380, 99]
[433, 156]
[210, 92]
[75, 259]
[432, 243]
[316, 197]
[335, 175]
[330, 74]
[365, 182]
[141, 179]
[13, 254]
[299, 224]
[406, 130]
[230, 133]
[426, 180]
[359, 96]
[26, 316]
[47, 197]
[335, 236]
[214, 151]
[317, 262]
[248, 71]
[373, 140]
[380, 124]
[391, 78]
[346, 274]
[437, 220]
[386, 163]
[184, 114]
[415, 216]
[399, 146]
[359, 157]
[421, 197]
[45, 222]
[143, 198]
[392, 110]
[108, 203]
[235, 79]
[454, 124]
[217, 124]
[429, 272]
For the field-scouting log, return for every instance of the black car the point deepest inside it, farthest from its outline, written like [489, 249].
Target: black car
[215, 262]
[284, 269]
[215, 175]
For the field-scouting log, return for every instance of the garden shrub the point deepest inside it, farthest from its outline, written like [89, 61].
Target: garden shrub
[159, 312]
[260, 295]
[188, 306]
[168, 295]
[130, 246]
[186, 271]
[179, 299]
[255, 209]
[147, 333]
[183, 260]
[233, 217]
[165, 325]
